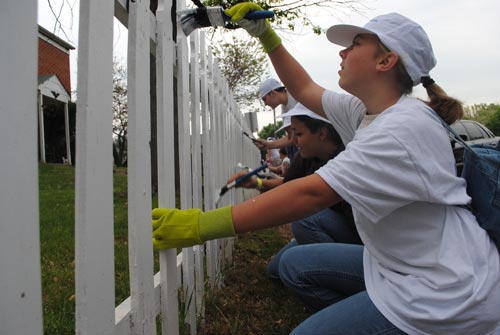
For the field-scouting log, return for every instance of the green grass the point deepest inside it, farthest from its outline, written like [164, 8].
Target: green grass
[248, 304]
[57, 198]
[57, 243]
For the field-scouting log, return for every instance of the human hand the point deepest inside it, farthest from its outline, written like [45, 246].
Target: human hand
[261, 144]
[275, 169]
[256, 28]
[247, 183]
[174, 228]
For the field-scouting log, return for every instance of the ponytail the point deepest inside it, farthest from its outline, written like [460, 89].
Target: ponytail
[450, 109]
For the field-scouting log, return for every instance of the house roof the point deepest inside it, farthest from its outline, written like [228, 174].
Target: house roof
[51, 86]
[54, 38]
[42, 79]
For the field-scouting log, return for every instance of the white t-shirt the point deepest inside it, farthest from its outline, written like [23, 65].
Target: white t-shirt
[429, 267]
[290, 103]
[345, 112]
[285, 164]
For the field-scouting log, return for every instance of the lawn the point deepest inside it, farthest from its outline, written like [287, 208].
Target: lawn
[57, 243]
[248, 304]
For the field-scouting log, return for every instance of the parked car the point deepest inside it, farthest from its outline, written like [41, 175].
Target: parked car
[471, 132]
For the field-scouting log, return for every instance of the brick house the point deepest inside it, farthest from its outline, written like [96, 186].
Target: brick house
[56, 112]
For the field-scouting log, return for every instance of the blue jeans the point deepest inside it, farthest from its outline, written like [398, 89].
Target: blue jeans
[326, 226]
[328, 277]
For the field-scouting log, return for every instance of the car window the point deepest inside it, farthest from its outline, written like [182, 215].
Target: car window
[488, 132]
[483, 131]
[474, 131]
[460, 130]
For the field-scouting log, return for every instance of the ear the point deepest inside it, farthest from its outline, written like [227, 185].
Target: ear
[387, 61]
[323, 134]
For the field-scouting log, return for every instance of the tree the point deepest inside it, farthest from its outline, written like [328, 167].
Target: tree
[494, 123]
[244, 65]
[289, 14]
[487, 114]
[269, 131]
[120, 114]
[242, 59]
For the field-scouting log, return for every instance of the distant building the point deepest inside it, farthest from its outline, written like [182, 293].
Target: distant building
[56, 112]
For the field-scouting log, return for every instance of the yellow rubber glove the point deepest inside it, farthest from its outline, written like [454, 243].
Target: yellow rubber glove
[256, 28]
[174, 228]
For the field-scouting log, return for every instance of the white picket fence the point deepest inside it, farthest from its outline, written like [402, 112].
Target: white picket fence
[211, 142]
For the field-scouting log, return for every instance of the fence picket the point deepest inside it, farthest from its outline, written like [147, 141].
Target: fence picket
[139, 177]
[209, 142]
[94, 251]
[20, 284]
[185, 167]
[197, 161]
[166, 164]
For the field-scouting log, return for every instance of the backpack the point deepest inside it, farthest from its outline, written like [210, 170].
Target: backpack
[481, 171]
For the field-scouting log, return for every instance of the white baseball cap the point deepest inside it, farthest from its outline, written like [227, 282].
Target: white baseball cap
[268, 85]
[286, 123]
[398, 33]
[298, 110]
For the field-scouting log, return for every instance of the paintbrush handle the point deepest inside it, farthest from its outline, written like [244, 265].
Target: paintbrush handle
[241, 179]
[259, 14]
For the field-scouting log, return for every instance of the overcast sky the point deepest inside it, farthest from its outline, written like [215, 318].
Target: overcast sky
[464, 34]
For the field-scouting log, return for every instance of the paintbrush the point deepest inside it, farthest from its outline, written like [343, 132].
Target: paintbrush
[237, 182]
[201, 17]
[254, 140]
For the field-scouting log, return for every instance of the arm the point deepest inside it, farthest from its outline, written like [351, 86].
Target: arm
[268, 184]
[252, 183]
[309, 195]
[297, 80]
[173, 228]
[277, 144]
[275, 169]
[249, 183]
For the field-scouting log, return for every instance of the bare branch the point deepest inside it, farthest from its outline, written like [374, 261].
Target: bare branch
[58, 13]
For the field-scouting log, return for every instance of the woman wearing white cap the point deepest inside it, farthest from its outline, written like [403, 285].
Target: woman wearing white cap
[427, 267]
[318, 142]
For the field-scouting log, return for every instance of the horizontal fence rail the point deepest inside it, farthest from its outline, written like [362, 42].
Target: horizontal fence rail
[183, 123]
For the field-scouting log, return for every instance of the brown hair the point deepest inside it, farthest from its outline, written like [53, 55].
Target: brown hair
[314, 125]
[450, 109]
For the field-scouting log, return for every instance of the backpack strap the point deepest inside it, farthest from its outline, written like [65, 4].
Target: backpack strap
[457, 138]
[453, 133]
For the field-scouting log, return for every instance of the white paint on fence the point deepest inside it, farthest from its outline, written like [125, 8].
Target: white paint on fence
[196, 159]
[210, 144]
[94, 253]
[185, 167]
[139, 172]
[20, 288]
[166, 163]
